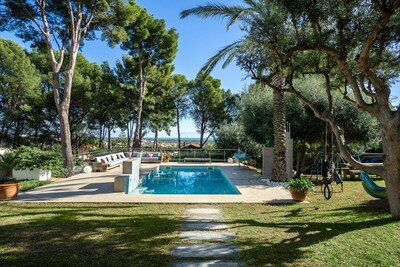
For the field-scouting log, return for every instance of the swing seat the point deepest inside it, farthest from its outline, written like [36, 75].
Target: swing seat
[371, 187]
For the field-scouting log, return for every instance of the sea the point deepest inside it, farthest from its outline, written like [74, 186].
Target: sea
[175, 139]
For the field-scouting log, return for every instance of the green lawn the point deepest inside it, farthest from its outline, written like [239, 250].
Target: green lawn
[351, 229]
[27, 185]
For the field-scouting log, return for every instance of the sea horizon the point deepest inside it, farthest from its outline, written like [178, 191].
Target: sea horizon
[183, 139]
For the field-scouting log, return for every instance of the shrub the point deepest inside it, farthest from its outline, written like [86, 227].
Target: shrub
[33, 157]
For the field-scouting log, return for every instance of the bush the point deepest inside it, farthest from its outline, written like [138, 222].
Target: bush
[33, 157]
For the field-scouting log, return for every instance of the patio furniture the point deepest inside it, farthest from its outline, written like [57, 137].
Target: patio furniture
[148, 157]
[240, 156]
[104, 163]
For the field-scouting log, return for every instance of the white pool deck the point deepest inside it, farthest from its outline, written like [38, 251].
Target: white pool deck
[98, 187]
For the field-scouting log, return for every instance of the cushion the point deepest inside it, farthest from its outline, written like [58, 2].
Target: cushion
[128, 154]
[118, 156]
[103, 160]
[98, 159]
[122, 155]
[108, 158]
[149, 155]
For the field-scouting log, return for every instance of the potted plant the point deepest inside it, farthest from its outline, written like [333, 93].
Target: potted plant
[299, 187]
[9, 187]
[166, 157]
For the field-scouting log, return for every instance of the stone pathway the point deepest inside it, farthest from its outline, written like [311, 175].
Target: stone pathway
[203, 244]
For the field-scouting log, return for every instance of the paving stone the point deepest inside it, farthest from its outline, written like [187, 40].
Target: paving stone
[205, 250]
[207, 236]
[214, 263]
[202, 211]
[196, 218]
[205, 226]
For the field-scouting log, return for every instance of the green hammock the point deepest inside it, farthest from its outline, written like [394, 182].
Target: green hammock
[371, 187]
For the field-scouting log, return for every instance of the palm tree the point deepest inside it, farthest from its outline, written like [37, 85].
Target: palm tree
[255, 16]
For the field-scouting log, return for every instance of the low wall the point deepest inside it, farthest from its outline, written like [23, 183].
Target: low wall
[131, 170]
[35, 174]
[268, 159]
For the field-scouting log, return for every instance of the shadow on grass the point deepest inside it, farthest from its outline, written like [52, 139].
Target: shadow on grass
[96, 235]
[297, 232]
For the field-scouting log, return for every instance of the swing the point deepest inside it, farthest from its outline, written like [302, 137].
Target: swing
[326, 186]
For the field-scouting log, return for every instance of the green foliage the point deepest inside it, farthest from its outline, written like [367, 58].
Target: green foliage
[32, 157]
[233, 136]
[300, 184]
[211, 105]
[107, 17]
[152, 49]
[159, 110]
[20, 93]
[7, 163]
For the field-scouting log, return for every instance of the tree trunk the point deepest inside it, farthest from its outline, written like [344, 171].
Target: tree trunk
[65, 137]
[300, 156]
[202, 130]
[137, 137]
[100, 135]
[17, 134]
[62, 104]
[391, 143]
[129, 128]
[155, 148]
[109, 138]
[77, 141]
[279, 121]
[178, 128]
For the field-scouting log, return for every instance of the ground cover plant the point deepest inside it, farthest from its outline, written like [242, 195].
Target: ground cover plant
[352, 229]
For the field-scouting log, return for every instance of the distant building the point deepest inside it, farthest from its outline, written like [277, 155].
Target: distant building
[190, 146]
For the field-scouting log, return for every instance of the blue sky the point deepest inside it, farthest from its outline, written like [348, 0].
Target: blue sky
[198, 41]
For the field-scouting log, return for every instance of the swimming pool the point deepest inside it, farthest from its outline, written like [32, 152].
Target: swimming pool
[186, 180]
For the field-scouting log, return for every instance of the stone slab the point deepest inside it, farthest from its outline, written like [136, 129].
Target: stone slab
[202, 211]
[205, 226]
[196, 218]
[119, 183]
[207, 236]
[214, 263]
[205, 251]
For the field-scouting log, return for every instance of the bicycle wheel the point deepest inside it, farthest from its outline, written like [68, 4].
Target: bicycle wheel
[328, 191]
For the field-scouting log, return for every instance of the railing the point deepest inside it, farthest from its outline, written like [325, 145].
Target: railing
[216, 155]
[176, 155]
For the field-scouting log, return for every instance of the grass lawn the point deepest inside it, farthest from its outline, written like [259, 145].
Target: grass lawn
[351, 229]
[27, 185]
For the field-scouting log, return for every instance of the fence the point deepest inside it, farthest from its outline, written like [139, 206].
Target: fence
[176, 155]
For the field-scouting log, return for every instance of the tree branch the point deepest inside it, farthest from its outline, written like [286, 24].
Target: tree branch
[371, 108]
[339, 133]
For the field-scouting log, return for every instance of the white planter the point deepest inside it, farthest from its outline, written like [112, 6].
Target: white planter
[35, 174]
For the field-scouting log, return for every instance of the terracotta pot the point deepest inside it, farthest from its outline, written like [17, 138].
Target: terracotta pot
[298, 195]
[8, 191]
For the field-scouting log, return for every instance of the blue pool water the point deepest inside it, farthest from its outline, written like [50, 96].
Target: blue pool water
[186, 180]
